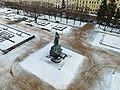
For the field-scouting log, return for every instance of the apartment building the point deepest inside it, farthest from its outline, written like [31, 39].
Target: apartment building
[65, 3]
[90, 6]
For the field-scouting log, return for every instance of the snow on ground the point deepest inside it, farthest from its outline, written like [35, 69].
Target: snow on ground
[115, 85]
[2, 10]
[63, 21]
[59, 75]
[47, 25]
[9, 37]
[13, 17]
[50, 26]
[107, 41]
[111, 81]
[115, 31]
[111, 41]
[55, 27]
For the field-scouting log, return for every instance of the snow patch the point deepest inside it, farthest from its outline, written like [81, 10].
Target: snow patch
[115, 85]
[111, 42]
[63, 20]
[59, 75]
[9, 37]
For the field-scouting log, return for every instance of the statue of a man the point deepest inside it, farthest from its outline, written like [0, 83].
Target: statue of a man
[56, 40]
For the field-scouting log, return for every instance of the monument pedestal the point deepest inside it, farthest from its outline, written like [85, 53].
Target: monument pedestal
[58, 75]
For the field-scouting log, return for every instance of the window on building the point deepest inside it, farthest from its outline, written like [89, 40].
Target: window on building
[90, 2]
[118, 9]
[58, 6]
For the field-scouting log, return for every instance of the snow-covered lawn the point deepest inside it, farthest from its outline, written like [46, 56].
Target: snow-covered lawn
[9, 37]
[47, 25]
[51, 18]
[13, 16]
[59, 75]
[115, 85]
[107, 39]
[54, 27]
[108, 30]
[3, 10]
[111, 81]
[111, 42]
[63, 21]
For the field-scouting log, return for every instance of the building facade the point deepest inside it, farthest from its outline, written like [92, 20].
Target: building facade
[93, 5]
[90, 6]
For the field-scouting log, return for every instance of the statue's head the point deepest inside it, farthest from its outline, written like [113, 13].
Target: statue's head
[57, 33]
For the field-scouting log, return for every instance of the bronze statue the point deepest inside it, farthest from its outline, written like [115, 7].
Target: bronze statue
[56, 40]
[56, 50]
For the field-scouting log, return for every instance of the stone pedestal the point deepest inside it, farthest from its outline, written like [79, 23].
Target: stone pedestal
[58, 75]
